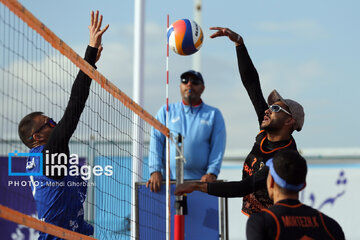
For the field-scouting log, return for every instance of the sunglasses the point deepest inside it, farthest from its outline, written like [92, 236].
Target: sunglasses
[194, 81]
[276, 108]
[49, 122]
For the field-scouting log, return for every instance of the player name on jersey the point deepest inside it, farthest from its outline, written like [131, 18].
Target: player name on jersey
[300, 221]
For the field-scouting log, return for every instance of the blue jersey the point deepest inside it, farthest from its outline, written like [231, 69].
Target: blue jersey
[59, 202]
[203, 129]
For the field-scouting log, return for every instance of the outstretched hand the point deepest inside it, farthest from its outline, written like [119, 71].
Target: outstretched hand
[233, 36]
[95, 31]
[189, 187]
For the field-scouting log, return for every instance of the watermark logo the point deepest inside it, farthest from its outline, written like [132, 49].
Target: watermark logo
[31, 164]
[56, 164]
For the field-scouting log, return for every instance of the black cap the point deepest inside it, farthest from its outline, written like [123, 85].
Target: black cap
[296, 110]
[193, 73]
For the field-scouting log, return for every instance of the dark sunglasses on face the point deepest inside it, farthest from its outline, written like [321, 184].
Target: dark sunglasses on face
[276, 108]
[194, 81]
[49, 122]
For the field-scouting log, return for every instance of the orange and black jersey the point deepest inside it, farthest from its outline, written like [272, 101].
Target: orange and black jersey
[290, 219]
[262, 151]
[253, 184]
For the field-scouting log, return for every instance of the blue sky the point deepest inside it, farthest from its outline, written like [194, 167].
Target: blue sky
[307, 50]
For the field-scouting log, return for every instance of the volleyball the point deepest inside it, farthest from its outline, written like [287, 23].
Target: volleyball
[185, 37]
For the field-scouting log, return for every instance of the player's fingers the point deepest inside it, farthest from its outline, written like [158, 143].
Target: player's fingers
[217, 34]
[151, 186]
[92, 18]
[216, 28]
[179, 192]
[213, 35]
[180, 189]
[96, 18]
[157, 186]
[221, 31]
[99, 23]
[104, 30]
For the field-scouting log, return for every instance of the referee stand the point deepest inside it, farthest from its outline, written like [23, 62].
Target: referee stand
[206, 214]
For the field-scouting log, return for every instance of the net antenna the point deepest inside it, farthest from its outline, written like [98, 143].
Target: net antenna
[174, 140]
[168, 204]
[198, 20]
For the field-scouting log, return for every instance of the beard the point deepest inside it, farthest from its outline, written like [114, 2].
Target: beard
[187, 99]
[191, 98]
[272, 126]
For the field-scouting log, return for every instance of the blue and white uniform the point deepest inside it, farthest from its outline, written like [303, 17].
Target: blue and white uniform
[59, 202]
[203, 129]
[56, 202]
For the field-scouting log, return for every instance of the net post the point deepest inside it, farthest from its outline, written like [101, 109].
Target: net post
[179, 170]
[90, 204]
[180, 204]
[138, 71]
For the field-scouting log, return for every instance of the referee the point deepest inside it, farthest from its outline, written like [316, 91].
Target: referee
[288, 218]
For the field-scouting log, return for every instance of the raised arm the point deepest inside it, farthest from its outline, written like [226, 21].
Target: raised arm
[248, 73]
[80, 90]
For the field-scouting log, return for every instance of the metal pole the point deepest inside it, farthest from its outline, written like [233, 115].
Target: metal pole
[90, 189]
[179, 170]
[221, 217]
[198, 20]
[180, 204]
[138, 94]
[167, 165]
[226, 219]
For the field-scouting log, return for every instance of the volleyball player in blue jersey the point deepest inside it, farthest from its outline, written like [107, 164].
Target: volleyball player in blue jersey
[57, 202]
